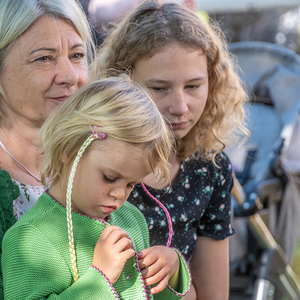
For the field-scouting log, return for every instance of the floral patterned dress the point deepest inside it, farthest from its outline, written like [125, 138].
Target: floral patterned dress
[29, 194]
[199, 203]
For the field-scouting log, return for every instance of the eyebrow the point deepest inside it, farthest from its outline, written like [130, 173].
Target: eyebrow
[115, 173]
[155, 80]
[53, 49]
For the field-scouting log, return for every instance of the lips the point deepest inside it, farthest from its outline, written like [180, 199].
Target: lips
[109, 209]
[177, 126]
[60, 98]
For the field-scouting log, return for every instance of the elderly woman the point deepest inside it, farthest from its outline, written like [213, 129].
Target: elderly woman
[43, 60]
[44, 49]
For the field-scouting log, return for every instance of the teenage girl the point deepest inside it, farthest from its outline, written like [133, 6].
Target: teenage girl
[186, 65]
[82, 240]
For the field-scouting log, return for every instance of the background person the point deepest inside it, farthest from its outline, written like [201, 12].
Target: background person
[44, 49]
[108, 137]
[186, 65]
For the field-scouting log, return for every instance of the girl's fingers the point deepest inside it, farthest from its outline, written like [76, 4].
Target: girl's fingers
[147, 259]
[113, 235]
[116, 235]
[114, 240]
[161, 286]
[151, 270]
[127, 254]
[143, 264]
[108, 230]
[143, 253]
[123, 244]
[155, 278]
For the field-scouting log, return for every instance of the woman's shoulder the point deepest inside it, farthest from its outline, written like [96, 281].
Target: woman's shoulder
[213, 175]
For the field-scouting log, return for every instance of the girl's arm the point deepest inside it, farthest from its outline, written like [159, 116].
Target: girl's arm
[209, 267]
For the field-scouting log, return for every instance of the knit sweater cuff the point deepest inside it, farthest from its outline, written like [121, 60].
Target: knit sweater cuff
[185, 281]
[109, 284]
[86, 286]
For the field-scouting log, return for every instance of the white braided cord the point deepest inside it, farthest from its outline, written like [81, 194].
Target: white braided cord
[68, 205]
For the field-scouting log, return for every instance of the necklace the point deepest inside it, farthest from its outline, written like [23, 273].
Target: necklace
[20, 164]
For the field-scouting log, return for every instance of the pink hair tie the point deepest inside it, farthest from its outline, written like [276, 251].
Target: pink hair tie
[166, 212]
[97, 134]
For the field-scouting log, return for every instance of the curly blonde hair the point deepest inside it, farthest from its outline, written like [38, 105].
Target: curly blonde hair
[122, 109]
[152, 26]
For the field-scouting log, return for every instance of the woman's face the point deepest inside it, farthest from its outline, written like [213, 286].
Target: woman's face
[44, 66]
[178, 79]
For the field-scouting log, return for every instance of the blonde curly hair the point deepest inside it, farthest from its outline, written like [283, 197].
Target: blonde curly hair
[152, 26]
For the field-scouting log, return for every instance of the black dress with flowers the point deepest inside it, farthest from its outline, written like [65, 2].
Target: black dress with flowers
[199, 203]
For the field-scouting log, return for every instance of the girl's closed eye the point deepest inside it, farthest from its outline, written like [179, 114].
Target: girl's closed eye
[108, 180]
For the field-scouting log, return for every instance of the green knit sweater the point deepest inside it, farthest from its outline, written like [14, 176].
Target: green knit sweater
[36, 261]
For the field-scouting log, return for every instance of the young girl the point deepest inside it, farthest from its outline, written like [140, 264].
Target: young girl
[186, 65]
[82, 240]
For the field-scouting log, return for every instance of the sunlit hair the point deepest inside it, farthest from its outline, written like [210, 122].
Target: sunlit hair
[152, 26]
[122, 110]
[16, 16]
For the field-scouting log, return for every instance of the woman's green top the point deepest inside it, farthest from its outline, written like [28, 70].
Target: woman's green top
[8, 193]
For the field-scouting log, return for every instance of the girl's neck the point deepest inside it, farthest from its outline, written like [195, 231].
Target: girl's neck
[22, 142]
[152, 181]
[58, 192]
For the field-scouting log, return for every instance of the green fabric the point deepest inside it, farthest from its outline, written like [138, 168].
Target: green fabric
[36, 260]
[8, 193]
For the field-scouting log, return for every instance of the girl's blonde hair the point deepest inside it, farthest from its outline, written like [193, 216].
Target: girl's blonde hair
[152, 26]
[122, 109]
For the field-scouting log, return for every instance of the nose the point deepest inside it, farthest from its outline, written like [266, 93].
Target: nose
[178, 103]
[66, 73]
[119, 193]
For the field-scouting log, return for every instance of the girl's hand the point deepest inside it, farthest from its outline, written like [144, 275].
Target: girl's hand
[111, 252]
[158, 264]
